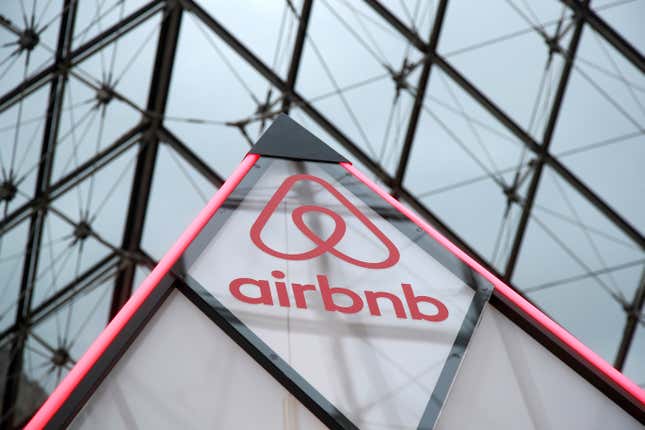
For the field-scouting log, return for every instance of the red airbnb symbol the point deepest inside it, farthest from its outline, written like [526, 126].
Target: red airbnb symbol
[322, 245]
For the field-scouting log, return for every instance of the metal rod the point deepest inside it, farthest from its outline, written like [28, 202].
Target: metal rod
[634, 312]
[37, 222]
[520, 133]
[527, 205]
[421, 91]
[296, 56]
[47, 307]
[330, 128]
[90, 47]
[191, 158]
[7, 24]
[609, 34]
[146, 160]
[74, 177]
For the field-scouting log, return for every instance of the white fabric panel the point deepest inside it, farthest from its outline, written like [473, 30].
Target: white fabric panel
[183, 372]
[379, 371]
[509, 381]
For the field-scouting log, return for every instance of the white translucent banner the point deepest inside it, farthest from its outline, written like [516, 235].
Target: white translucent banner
[357, 308]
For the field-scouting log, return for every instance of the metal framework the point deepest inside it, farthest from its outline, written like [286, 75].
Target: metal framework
[118, 265]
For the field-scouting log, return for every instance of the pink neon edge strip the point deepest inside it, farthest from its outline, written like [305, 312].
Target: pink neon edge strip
[566, 337]
[98, 347]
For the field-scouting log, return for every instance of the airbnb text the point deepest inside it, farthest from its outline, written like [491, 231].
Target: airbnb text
[335, 298]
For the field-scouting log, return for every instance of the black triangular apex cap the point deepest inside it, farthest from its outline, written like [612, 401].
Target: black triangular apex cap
[285, 138]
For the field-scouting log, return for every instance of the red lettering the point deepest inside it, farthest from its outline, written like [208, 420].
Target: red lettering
[328, 293]
[372, 296]
[241, 288]
[281, 289]
[299, 294]
[264, 288]
[415, 313]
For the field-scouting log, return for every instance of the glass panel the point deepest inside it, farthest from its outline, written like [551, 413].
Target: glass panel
[463, 159]
[573, 257]
[355, 71]
[484, 41]
[95, 17]
[12, 253]
[213, 105]
[635, 365]
[60, 337]
[416, 15]
[625, 17]
[76, 235]
[179, 191]
[21, 133]
[29, 37]
[600, 131]
[268, 29]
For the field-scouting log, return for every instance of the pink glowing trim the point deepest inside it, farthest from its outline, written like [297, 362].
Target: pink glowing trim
[564, 336]
[83, 366]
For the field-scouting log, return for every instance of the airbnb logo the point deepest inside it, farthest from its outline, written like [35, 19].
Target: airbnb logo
[322, 245]
[334, 298]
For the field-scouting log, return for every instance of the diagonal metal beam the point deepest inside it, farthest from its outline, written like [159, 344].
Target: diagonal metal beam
[146, 160]
[420, 95]
[395, 22]
[634, 312]
[9, 26]
[93, 277]
[279, 83]
[596, 200]
[65, 294]
[519, 133]
[189, 156]
[607, 32]
[37, 221]
[296, 56]
[330, 128]
[73, 178]
[98, 42]
[527, 205]
[159, 133]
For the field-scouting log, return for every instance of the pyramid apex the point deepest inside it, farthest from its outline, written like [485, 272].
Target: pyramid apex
[285, 138]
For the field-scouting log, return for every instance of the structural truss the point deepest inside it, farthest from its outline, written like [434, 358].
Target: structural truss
[515, 127]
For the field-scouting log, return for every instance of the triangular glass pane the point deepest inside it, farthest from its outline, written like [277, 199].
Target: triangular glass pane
[190, 191]
[494, 54]
[213, 104]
